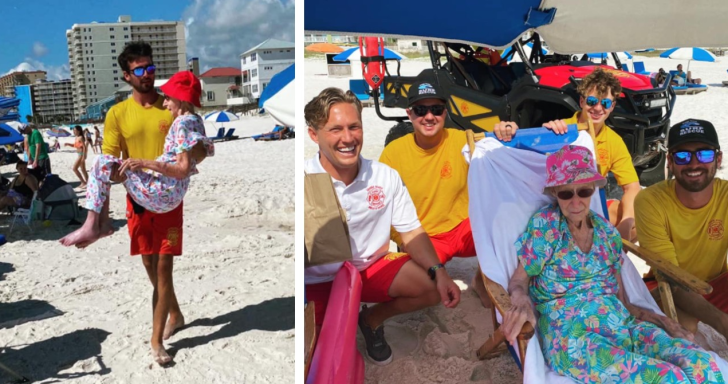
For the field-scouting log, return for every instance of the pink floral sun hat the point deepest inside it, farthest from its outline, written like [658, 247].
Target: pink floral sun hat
[571, 164]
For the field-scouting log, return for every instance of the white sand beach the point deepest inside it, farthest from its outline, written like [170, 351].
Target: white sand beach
[438, 345]
[84, 316]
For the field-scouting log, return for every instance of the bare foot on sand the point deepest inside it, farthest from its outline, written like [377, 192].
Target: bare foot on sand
[83, 237]
[172, 326]
[479, 288]
[161, 356]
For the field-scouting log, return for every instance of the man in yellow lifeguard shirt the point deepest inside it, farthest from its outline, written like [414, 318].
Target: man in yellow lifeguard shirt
[430, 163]
[599, 91]
[136, 129]
[684, 221]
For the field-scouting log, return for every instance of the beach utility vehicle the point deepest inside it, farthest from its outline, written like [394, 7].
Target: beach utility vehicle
[532, 91]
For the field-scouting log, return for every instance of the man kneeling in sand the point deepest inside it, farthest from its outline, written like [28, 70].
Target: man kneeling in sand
[375, 199]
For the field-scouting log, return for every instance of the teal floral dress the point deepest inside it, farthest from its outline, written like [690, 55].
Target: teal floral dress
[586, 333]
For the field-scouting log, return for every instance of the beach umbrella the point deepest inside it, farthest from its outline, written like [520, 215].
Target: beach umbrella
[689, 54]
[8, 135]
[324, 48]
[220, 117]
[279, 99]
[17, 125]
[526, 49]
[354, 54]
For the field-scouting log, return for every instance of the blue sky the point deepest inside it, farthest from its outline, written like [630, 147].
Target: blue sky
[33, 32]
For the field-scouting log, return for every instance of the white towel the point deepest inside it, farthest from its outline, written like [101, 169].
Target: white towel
[505, 188]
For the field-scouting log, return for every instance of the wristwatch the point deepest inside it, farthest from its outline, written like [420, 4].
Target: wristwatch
[433, 269]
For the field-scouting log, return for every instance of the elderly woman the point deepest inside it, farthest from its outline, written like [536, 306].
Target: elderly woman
[21, 189]
[570, 262]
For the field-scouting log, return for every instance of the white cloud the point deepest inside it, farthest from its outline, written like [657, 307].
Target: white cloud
[52, 72]
[218, 31]
[39, 49]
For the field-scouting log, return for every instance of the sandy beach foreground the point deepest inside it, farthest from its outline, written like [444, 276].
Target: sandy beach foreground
[438, 345]
[85, 316]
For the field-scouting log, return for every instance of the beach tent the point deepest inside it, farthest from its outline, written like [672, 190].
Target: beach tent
[568, 26]
[59, 201]
[58, 132]
[9, 135]
[279, 99]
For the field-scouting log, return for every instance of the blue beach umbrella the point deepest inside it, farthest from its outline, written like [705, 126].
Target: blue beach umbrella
[607, 55]
[8, 135]
[526, 49]
[220, 117]
[279, 99]
[354, 54]
[689, 54]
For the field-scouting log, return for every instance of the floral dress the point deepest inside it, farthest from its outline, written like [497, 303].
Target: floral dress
[152, 190]
[586, 332]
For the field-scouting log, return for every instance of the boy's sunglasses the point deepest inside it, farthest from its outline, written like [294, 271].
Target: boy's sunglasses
[568, 195]
[139, 71]
[421, 110]
[705, 156]
[592, 101]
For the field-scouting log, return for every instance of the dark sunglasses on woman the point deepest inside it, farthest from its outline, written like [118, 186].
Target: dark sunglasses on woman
[581, 192]
[421, 110]
[705, 156]
[592, 101]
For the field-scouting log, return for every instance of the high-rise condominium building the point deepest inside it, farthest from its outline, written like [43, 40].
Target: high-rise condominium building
[53, 100]
[93, 50]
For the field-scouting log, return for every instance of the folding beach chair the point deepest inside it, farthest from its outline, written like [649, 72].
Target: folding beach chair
[639, 68]
[506, 182]
[25, 214]
[220, 134]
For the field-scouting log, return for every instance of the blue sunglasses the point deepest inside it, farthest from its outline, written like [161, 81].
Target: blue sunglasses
[139, 71]
[592, 101]
[705, 156]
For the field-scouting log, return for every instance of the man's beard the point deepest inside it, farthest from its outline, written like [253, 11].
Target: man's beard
[143, 88]
[698, 185]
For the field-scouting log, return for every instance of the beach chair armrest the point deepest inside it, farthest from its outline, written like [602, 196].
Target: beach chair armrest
[674, 274]
[502, 301]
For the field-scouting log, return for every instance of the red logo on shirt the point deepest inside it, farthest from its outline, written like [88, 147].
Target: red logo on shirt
[446, 171]
[375, 197]
[715, 229]
[163, 126]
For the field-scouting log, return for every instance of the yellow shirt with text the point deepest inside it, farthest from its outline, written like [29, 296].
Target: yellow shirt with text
[693, 239]
[612, 154]
[136, 132]
[437, 179]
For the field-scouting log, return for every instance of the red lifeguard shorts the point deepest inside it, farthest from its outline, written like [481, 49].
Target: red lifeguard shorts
[375, 280]
[154, 233]
[458, 242]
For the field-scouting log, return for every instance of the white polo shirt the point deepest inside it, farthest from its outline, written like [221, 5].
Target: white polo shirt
[376, 201]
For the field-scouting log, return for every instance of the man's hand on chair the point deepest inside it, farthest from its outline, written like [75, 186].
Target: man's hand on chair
[449, 291]
[520, 312]
[558, 126]
[505, 130]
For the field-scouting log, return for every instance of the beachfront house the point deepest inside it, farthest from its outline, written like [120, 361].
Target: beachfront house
[260, 63]
[220, 86]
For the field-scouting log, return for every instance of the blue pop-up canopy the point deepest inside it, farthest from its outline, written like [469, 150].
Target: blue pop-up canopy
[567, 26]
[8, 135]
[278, 98]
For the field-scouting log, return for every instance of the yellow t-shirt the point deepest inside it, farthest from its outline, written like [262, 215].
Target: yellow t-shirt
[612, 154]
[693, 239]
[135, 131]
[437, 179]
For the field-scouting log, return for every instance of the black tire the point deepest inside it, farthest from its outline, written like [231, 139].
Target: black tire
[652, 173]
[402, 128]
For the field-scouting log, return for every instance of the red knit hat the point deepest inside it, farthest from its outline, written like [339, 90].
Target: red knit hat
[183, 86]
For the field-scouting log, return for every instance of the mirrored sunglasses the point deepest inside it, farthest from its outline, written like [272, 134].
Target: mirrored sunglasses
[139, 71]
[592, 101]
[568, 195]
[421, 110]
[705, 156]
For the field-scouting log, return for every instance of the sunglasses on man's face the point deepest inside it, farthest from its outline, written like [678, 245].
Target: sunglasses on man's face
[592, 101]
[705, 156]
[421, 110]
[139, 71]
[568, 195]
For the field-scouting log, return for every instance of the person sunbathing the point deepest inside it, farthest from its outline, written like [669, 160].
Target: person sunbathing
[160, 185]
[569, 267]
